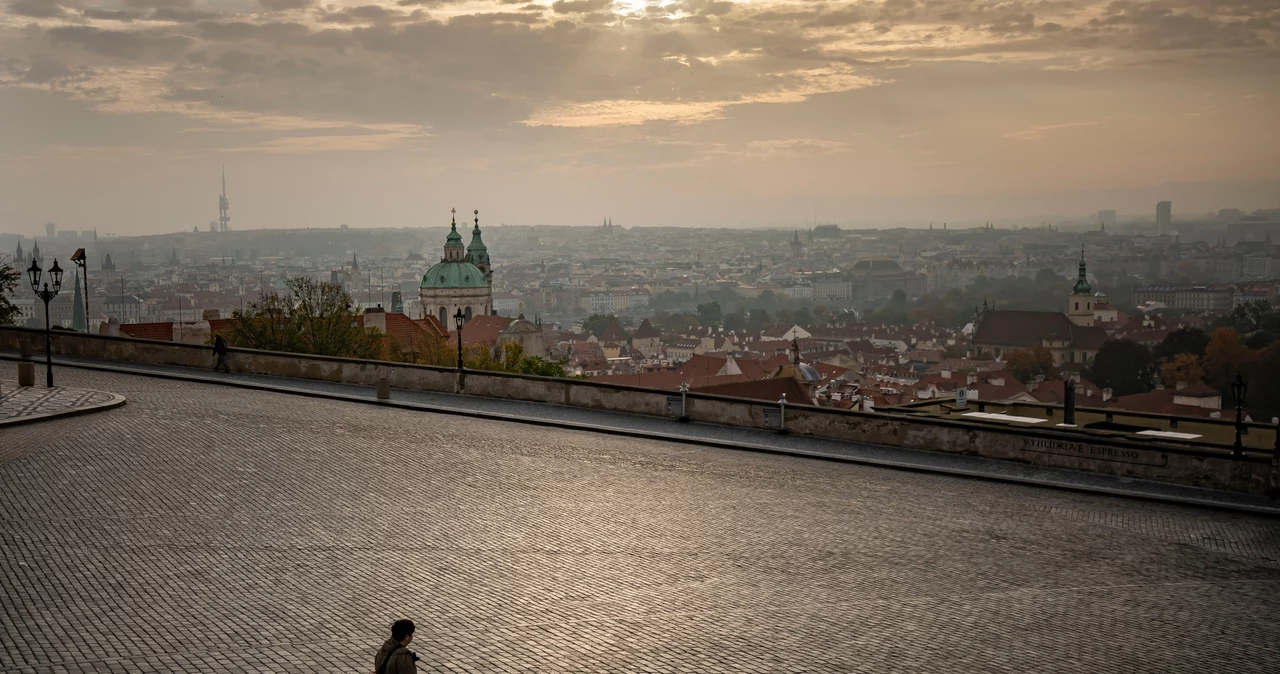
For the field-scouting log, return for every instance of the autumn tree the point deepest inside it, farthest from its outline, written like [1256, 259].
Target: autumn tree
[1224, 357]
[8, 282]
[1124, 366]
[1025, 364]
[315, 318]
[1183, 340]
[1183, 368]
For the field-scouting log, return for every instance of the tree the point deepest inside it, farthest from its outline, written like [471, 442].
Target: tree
[1263, 395]
[317, 318]
[8, 283]
[1046, 276]
[709, 314]
[735, 321]
[596, 323]
[802, 317]
[1182, 341]
[1224, 357]
[1123, 366]
[1025, 364]
[757, 319]
[1183, 368]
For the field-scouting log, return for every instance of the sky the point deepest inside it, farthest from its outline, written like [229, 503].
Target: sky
[120, 114]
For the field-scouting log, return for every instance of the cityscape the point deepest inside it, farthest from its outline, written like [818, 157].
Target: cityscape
[666, 337]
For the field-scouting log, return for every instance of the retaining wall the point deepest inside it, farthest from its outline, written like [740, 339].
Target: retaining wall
[1100, 452]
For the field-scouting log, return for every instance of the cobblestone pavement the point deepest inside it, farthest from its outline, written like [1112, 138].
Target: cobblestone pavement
[24, 402]
[202, 529]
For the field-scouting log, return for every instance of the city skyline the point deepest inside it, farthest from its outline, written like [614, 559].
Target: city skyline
[753, 114]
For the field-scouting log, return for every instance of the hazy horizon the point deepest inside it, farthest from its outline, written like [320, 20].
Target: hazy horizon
[692, 113]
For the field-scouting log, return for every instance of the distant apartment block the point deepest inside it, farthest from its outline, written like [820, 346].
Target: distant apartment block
[1192, 298]
[1164, 217]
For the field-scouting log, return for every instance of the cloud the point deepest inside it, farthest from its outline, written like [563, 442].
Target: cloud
[36, 9]
[579, 6]
[119, 43]
[285, 5]
[1040, 132]
[791, 87]
[793, 147]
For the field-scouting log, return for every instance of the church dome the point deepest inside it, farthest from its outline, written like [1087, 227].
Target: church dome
[522, 326]
[452, 274]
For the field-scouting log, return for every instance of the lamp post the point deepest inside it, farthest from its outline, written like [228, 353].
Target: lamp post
[1238, 388]
[83, 263]
[46, 294]
[458, 319]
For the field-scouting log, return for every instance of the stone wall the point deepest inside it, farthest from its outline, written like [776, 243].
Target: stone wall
[1100, 452]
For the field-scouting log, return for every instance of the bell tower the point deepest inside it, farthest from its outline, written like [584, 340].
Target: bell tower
[1080, 303]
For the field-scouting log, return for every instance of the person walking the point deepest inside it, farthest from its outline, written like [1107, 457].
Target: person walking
[395, 657]
[220, 350]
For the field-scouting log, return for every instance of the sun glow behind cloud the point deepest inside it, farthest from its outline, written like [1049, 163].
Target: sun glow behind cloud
[583, 85]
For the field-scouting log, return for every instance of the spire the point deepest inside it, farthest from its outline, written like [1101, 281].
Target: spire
[355, 264]
[1082, 286]
[79, 320]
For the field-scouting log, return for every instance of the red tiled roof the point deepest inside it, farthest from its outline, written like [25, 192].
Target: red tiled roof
[1159, 401]
[612, 333]
[1031, 328]
[646, 330]
[482, 330]
[162, 332]
[1198, 390]
[762, 389]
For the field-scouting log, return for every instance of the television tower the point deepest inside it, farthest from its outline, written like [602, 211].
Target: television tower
[223, 205]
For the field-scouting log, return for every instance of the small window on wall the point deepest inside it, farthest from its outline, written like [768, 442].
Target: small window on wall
[444, 317]
[1077, 306]
[467, 313]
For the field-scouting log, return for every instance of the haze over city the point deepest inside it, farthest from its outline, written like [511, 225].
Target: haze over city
[120, 113]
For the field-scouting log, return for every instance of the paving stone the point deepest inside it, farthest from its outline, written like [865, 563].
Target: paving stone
[207, 529]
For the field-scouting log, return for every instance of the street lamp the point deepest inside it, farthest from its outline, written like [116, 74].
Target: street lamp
[458, 319]
[83, 263]
[45, 294]
[1238, 388]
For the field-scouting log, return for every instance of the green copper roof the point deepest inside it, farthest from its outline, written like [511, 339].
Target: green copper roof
[1082, 286]
[476, 243]
[454, 274]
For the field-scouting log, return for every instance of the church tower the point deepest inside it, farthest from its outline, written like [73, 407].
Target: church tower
[1080, 303]
[478, 253]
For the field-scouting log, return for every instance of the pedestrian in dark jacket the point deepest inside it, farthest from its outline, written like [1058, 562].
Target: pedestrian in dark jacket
[220, 350]
[395, 657]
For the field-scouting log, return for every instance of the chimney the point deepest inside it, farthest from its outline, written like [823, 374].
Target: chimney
[971, 379]
[375, 317]
[1075, 377]
[1033, 384]
[1179, 386]
[1106, 394]
[946, 373]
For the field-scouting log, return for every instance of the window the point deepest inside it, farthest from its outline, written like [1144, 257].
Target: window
[1073, 356]
[467, 313]
[444, 317]
[1077, 306]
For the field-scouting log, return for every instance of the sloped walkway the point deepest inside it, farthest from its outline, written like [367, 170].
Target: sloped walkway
[759, 440]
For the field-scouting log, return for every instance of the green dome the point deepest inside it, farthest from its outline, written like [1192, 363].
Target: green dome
[454, 274]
